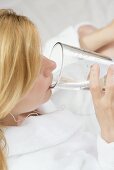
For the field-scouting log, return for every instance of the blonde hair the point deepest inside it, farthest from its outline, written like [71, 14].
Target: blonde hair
[19, 64]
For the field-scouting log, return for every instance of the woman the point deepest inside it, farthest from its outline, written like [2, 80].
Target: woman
[25, 79]
[22, 67]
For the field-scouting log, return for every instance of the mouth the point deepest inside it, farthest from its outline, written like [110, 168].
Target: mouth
[51, 84]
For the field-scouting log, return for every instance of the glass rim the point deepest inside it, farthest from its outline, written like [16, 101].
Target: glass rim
[61, 45]
[91, 56]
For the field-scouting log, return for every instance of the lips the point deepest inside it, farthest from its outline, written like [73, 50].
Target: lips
[51, 86]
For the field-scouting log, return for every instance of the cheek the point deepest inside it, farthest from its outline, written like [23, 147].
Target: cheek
[43, 90]
[40, 89]
[38, 95]
[41, 85]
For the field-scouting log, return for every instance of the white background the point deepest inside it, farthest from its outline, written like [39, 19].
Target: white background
[52, 16]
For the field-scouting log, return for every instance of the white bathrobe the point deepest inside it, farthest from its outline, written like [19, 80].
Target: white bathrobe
[66, 137]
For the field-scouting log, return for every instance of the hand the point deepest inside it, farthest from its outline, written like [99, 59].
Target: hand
[90, 40]
[103, 101]
[101, 41]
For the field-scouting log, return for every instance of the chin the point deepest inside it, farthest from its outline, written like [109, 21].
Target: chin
[48, 95]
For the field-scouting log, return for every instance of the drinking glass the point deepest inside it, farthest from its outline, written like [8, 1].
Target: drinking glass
[73, 66]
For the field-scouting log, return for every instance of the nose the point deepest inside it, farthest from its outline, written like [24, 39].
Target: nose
[50, 65]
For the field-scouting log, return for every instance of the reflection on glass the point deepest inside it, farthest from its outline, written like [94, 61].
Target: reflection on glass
[73, 66]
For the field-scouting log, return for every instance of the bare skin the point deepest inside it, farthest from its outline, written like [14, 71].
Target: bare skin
[39, 94]
[101, 41]
[103, 102]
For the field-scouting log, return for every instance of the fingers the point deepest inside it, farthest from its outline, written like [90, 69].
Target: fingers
[95, 87]
[99, 38]
[110, 82]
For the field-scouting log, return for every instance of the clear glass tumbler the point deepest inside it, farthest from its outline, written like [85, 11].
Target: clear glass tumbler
[73, 66]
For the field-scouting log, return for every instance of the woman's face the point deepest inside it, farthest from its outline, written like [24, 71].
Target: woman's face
[40, 91]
